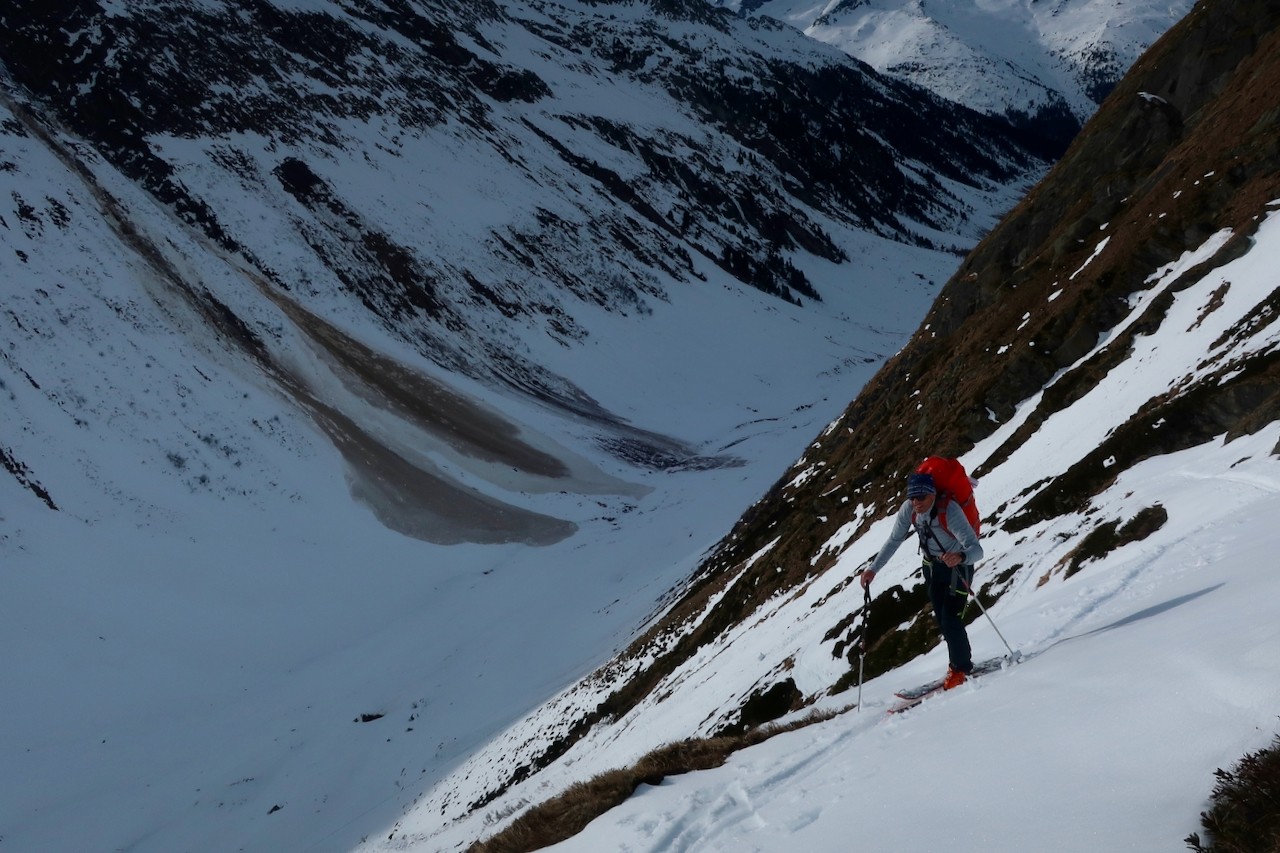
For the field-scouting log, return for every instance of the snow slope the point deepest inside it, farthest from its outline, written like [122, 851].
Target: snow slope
[1149, 664]
[1144, 673]
[202, 600]
[223, 638]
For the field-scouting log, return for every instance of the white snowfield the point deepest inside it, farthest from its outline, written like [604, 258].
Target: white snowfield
[1144, 671]
[213, 644]
[195, 633]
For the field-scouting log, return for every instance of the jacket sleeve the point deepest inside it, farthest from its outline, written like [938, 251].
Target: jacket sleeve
[963, 533]
[901, 529]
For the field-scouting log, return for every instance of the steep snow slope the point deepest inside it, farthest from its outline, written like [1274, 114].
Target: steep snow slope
[1061, 718]
[1142, 675]
[213, 603]
[1106, 362]
[369, 374]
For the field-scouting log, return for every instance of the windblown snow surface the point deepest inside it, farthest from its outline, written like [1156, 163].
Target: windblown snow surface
[214, 639]
[1141, 673]
[214, 643]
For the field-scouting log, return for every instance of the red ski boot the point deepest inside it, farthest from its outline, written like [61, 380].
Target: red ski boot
[954, 678]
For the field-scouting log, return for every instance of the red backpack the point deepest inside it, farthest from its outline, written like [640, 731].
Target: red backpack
[954, 484]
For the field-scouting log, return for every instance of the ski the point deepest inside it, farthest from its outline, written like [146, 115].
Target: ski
[907, 704]
[913, 696]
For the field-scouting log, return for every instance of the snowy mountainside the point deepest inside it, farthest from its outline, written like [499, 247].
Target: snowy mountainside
[1105, 362]
[1044, 65]
[448, 178]
[1146, 672]
[372, 371]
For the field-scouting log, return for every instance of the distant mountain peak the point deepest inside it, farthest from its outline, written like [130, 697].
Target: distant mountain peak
[1044, 65]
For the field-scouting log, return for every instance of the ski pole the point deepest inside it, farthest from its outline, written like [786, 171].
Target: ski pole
[862, 640]
[1014, 656]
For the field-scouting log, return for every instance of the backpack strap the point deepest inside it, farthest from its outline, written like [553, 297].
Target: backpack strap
[940, 510]
[925, 531]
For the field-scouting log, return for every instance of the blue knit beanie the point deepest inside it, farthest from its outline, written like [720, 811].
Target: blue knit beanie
[919, 485]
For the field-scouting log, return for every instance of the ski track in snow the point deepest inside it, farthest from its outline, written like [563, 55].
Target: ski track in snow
[1048, 753]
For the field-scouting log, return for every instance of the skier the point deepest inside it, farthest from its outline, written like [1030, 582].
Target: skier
[950, 549]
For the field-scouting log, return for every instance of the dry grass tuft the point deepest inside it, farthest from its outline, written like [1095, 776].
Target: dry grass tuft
[569, 813]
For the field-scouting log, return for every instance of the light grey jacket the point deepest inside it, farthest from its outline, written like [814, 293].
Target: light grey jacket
[961, 539]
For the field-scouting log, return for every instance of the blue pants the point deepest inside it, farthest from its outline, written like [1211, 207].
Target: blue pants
[948, 592]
